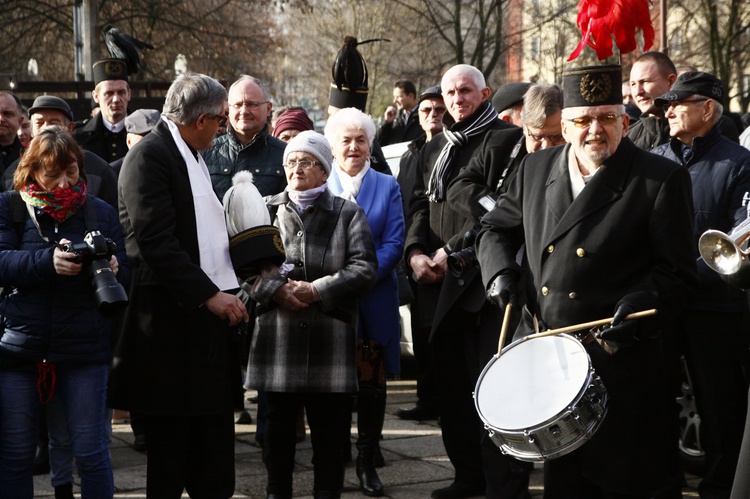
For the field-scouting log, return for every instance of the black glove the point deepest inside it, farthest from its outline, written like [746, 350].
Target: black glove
[503, 290]
[620, 333]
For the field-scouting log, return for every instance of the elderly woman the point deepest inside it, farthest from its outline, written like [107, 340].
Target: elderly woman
[351, 134]
[55, 347]
[303, 350]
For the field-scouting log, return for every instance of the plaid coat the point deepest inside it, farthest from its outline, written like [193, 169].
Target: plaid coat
[313, 350]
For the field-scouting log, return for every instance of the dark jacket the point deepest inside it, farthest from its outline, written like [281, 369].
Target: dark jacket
[100, 178]
[49, 316]
[95, 137]
[649, 132]
[263, 157]
[10, 154]
[173, 355]
[407, 173]
[627, 234]
[720, 171]
[437, 225]
[400, 130]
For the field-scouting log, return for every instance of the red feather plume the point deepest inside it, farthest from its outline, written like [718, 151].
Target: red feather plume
[600, 20]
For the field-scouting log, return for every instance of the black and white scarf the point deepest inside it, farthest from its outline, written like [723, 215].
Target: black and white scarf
[482, 118]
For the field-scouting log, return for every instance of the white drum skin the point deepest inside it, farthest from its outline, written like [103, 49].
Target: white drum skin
[541, 398]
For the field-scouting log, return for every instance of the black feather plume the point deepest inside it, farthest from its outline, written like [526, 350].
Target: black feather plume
[349, 68]
[123, 46]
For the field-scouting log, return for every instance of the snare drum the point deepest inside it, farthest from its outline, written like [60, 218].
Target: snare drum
[541, 399]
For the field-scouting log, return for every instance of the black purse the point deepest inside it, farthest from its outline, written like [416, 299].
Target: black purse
[370, 365]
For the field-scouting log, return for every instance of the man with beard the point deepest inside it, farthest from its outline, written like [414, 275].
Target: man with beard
[105, 134]
[608, 230]
[462, 319]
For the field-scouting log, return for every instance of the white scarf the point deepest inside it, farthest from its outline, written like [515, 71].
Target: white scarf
[302, 200]
[213, 241]
[350, 186]
[577, 179]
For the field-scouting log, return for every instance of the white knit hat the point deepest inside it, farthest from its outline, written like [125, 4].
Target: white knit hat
[312, 143]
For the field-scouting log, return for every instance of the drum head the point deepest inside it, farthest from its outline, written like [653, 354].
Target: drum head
[532, 382]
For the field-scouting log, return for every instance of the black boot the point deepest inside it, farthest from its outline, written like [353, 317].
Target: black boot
[370, 415]
[64, 491]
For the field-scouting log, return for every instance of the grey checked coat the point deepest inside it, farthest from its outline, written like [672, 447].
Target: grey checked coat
[313, 349]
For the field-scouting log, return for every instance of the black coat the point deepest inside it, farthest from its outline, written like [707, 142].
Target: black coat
[400, 130]
[435, 225]
[173, 356]
[628, 234]
[95, 137]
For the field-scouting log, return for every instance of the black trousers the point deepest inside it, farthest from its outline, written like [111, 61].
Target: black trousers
[459, 350]
[191, 453]
[326, 415]
[716, 354]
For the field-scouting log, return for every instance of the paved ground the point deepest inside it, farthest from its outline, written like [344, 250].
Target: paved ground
[415, 457]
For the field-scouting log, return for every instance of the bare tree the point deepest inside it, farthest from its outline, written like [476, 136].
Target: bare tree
[223, 38]
[713, 36]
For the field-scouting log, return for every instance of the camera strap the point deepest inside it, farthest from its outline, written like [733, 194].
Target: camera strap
[89, 215]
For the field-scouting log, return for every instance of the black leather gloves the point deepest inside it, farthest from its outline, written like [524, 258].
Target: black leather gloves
[503, 289]
[621, 332]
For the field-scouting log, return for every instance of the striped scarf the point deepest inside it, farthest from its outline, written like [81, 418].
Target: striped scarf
[482, 118]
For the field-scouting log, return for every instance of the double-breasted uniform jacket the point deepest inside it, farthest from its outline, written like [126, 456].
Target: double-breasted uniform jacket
[173, 355]
[97, 138]
[628, 234]
[436, 225]
[380, 198]
[313, 349]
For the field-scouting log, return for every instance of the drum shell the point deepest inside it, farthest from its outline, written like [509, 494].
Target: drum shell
[574, 424]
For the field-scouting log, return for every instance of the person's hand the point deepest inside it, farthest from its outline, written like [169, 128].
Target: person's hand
[62, 261]
[304, 291]
[503, 290]
[441, 260]
[285, 297]
[114, 264]
[426, 271]
[621, 332]
[228, 307]
[390, 114]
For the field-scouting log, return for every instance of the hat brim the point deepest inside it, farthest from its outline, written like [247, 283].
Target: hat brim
[252, 248]
[672, 97]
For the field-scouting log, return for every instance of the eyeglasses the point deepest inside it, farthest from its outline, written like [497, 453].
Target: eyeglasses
[554, 139]
[305, 164]
[586, 121]
[222, 119]
[428, 110]
[250, 104]
[681, 105]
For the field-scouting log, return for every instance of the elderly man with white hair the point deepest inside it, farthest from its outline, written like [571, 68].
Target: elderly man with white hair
[453, 306]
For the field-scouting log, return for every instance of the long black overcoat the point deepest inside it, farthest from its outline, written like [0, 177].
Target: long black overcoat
[628, 234]
[173, 355]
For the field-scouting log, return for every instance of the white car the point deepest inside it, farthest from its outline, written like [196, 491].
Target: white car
[393, 153]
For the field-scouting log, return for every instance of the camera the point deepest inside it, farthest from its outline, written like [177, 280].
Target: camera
[465, 259]
[94, 252]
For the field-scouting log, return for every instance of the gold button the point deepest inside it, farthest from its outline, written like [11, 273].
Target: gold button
[550, 248]
[573, 295]
[581, 252]
[545, 290]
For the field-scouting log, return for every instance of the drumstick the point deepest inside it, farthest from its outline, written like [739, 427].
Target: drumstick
[588, 325]
[504, 329]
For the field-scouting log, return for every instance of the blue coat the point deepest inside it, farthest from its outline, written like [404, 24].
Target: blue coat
[50, 316]
[720, 173]
[380, 198]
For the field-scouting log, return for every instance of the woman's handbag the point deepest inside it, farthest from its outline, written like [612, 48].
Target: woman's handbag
[370, 366]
